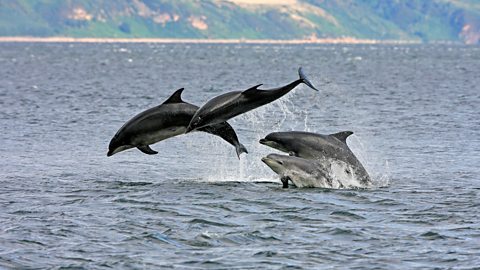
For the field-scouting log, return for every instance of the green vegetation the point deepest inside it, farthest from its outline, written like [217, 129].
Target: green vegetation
[434, 20]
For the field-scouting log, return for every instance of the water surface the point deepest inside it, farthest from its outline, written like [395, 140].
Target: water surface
[414, 111]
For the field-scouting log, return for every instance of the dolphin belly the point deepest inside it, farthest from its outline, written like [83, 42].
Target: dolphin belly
[305, 180]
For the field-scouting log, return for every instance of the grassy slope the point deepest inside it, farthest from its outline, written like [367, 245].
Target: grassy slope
[375, 19]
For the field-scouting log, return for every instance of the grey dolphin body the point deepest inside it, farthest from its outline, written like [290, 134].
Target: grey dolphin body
[318, 147]
[165, 121]
[302, 172]
[231, 104]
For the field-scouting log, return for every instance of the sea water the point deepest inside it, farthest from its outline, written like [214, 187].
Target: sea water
[414, 110]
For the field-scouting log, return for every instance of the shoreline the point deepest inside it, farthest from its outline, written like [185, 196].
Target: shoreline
[345, 40]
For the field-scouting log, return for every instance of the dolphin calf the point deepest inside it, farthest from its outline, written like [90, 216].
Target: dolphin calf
[302, 172]
[318, 147]
[231, 104]
[165, 121]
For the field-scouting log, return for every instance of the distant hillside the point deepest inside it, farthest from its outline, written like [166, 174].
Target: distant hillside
[433, 20]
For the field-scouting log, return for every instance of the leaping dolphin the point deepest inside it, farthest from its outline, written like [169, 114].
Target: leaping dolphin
[231, 104]
[318, 147]
[167, 120]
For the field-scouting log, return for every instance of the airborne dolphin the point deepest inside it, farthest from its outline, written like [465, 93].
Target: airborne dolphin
[318, 147]
[231, 104]
[165, 121]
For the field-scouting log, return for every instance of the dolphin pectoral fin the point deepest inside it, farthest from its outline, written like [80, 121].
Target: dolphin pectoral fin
[305, 80]
[284, 180]
[251, 90]
[147, 150]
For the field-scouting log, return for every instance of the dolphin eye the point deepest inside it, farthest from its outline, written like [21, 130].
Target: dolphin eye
[280, 162]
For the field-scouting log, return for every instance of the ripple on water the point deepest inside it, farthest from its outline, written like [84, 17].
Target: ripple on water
[207, 223]
[347, 215]
[344, 232]
[430, 235]
[162, 237]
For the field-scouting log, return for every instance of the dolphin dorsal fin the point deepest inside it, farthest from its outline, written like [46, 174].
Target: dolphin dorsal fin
[175, 97]
[252, 90]
[342, 136]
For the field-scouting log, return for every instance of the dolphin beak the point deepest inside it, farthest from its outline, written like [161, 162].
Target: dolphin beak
[265, 160]
[110, 153]
[263, 141]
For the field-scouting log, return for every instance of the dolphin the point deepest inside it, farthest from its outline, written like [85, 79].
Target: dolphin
[302, 172]
[231, 104]
[318, 147]
[165, 121]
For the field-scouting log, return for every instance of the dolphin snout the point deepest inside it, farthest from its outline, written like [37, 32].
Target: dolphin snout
[268, 160]
[263, 141]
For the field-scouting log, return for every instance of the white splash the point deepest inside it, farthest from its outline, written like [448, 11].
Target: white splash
[377, 168]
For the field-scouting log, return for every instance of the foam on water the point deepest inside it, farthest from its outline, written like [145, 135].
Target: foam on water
[343, 175]
[377, 168]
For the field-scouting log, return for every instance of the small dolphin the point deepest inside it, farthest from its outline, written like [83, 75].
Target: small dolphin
[318, 147]
[324, 173]
[300, 171]
[231, 104]
[165, 121]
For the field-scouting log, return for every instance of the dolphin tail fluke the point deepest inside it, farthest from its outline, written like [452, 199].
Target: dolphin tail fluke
[305, 80]
[240, 148]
